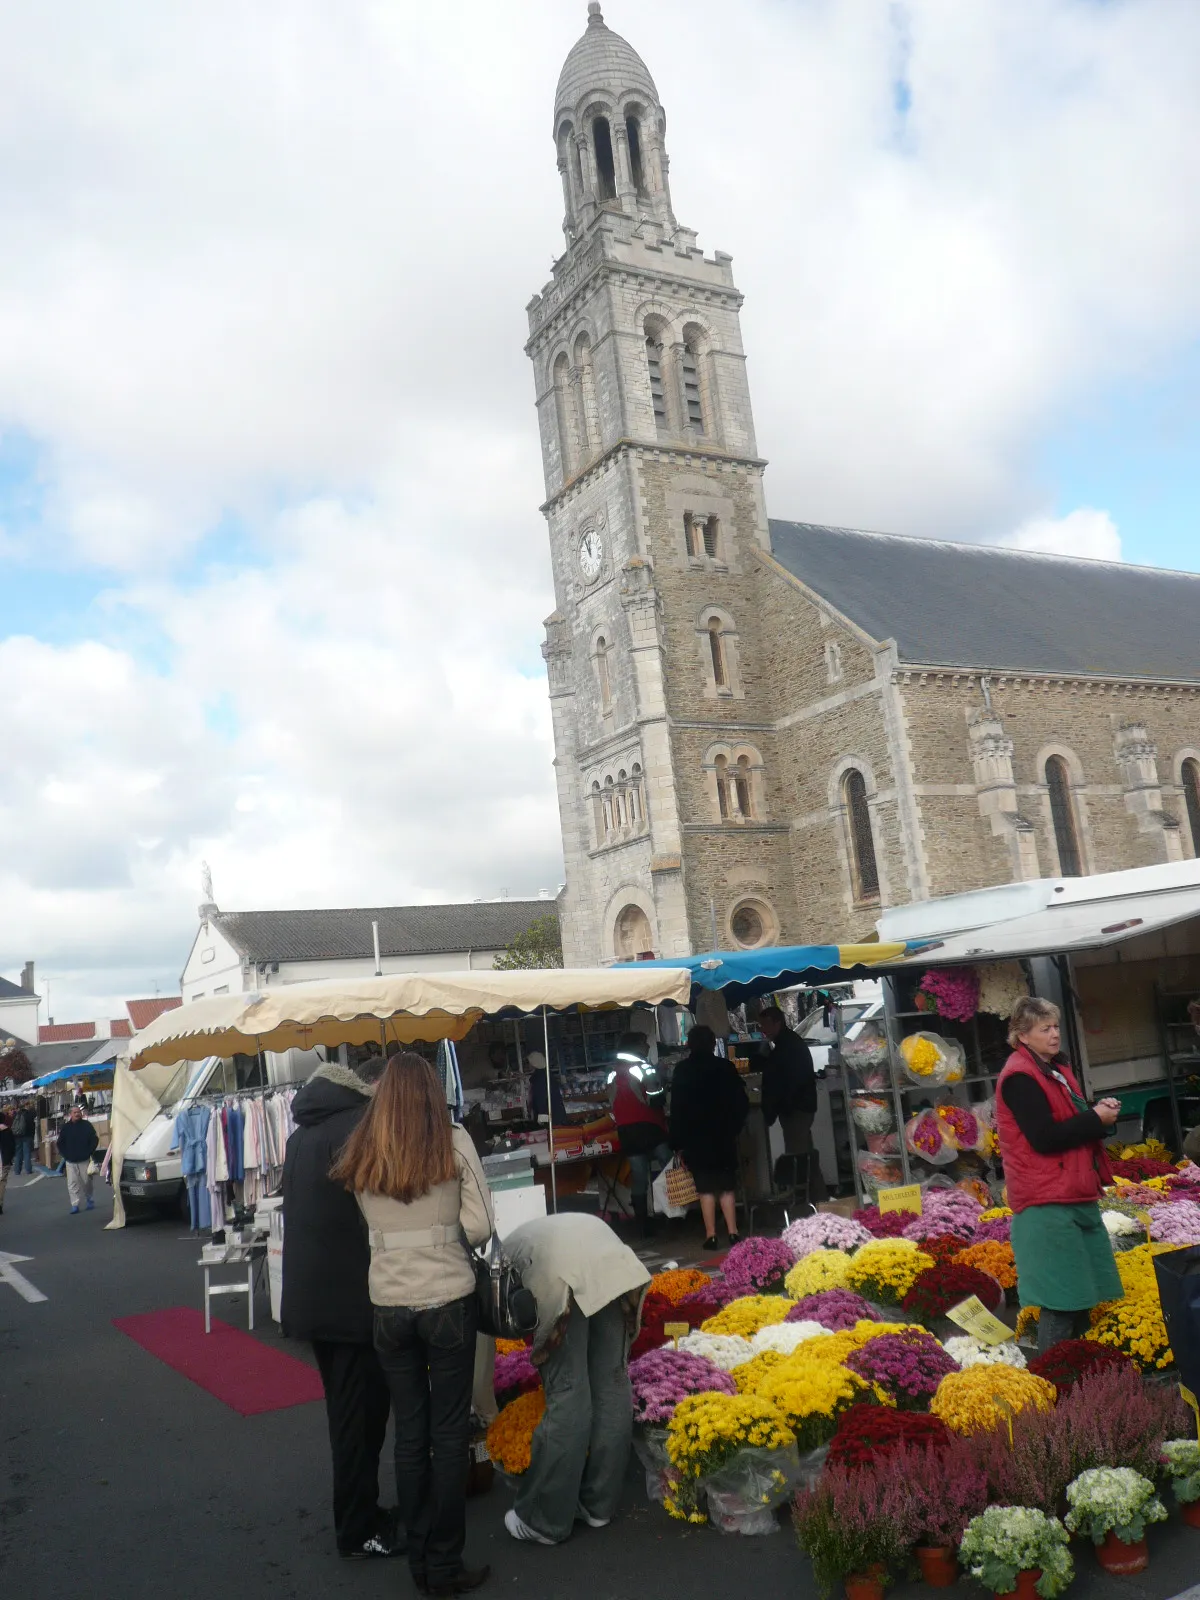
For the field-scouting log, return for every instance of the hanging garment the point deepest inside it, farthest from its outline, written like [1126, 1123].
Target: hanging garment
[199, 1206]
[191, 1139]
[234, 1125]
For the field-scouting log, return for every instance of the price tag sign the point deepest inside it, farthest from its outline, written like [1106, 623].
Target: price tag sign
[1007, 1412]
[676, 1330]
[907, 1197]
[1142, 1213]
[1191, 1400]
[973, 1317]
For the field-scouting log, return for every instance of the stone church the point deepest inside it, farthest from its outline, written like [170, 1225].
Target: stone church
[766, 731]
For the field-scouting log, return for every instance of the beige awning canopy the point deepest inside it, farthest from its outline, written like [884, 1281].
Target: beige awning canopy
[390, 1010]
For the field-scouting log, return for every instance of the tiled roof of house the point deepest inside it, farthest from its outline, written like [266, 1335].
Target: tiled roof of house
[403, 930]
[143, 1012]
[66, 1032]
[120, 1028]
[976, 605]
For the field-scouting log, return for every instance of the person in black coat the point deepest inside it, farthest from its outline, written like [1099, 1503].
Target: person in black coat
[77, 1144]
[8, 1147]
[326, 1259]
[789, 1092]
[708, 1110]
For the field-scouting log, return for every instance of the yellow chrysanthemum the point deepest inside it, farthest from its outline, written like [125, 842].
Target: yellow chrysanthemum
[747, 1315]
[885, 1269]
[705, 1431]
[820, 1269]
[967, 1401]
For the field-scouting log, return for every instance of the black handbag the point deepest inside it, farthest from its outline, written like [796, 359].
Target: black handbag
[507, 1309]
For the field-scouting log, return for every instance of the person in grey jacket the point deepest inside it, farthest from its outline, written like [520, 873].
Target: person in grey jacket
[588, 1287]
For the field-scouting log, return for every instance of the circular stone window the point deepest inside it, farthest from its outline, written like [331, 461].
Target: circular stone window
[748, 924]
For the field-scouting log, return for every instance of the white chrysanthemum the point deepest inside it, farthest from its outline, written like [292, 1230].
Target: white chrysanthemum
[724, 1350]
[785, 1336]
[970, 1352]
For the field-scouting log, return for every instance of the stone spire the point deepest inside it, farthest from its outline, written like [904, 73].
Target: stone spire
[609, 126]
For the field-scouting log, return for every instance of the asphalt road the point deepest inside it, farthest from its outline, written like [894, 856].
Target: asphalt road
[120, 1480]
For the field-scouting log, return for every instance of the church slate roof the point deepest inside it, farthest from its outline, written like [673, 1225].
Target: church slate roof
[403, 930]
[976, 605]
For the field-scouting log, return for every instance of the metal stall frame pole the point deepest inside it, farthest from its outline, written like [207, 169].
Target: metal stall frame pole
[550, 1112]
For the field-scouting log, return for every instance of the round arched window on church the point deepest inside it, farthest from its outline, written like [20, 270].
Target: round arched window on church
[632, 936]
[750, 924]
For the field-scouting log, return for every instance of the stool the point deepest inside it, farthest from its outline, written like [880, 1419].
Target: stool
[255, 1263]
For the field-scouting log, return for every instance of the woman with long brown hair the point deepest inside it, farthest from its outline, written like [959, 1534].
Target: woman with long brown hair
[420, 1186]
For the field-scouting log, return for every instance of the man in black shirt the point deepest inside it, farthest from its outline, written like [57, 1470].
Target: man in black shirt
[789, 1091]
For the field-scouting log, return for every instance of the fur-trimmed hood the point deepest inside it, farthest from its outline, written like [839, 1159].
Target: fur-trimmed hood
[331, 1089]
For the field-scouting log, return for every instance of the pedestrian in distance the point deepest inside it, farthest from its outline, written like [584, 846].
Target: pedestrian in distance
[326, 1259]
[24, 1131]
[709, 1108]
[77, 1141]
[1055, 1168]
[7, 1147]
[422, 1191]
[789, 1092]
[588, 1287]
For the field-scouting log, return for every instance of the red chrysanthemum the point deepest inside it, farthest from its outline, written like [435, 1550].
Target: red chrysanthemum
[866, 1432]
[945, 1285]
[1064, 1364]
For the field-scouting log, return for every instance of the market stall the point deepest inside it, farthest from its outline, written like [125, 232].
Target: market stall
[1118, 952]
[405, 1009]
[726, 979]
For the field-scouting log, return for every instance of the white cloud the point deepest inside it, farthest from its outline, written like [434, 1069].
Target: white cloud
[265, 269]
[1083, 532]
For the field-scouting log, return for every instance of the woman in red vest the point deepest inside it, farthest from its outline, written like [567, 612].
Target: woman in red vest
[642, 1125]
[1055, 1166]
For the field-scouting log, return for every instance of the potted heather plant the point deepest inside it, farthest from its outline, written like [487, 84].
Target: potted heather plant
[1015, 1549]
[1112, 1505]
[941, 1503]
[854, 1527]
[1181, 1457]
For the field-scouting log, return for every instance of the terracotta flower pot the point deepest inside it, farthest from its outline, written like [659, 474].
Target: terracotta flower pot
[1025, 1589]
[1189, 1510]
[1115, 1556]
[938, 1564]
[864, 1585]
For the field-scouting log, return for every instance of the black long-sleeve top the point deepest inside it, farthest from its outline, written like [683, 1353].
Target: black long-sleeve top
[1027, 1101]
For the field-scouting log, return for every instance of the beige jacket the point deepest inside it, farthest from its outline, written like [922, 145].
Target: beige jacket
[572, 1256]
[417, 1258]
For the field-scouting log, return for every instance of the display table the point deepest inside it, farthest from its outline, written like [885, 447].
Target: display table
[248, 1258]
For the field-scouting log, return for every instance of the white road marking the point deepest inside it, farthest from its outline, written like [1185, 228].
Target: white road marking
[18, 1280]
[37, 1178]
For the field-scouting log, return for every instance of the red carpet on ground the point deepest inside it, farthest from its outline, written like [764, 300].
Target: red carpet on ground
[233, 1366]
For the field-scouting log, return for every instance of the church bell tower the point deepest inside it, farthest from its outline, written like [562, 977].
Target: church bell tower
[653, 502]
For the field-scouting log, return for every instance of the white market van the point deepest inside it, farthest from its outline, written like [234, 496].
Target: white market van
[152, 1174]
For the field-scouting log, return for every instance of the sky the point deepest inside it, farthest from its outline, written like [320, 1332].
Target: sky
[272, 570]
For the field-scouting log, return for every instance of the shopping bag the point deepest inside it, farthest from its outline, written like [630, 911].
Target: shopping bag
[681, 1186]
[659, 1203]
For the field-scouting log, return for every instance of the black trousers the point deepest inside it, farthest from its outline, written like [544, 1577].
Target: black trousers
[357, 1402]
[428, 1358]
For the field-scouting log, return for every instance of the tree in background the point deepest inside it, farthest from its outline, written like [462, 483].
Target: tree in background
[539, 946]
[14, 1063]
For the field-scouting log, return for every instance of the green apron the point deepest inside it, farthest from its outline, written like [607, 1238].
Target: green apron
[1064, 1256]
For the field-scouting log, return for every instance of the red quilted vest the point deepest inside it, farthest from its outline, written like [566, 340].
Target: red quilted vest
[1066, 1178]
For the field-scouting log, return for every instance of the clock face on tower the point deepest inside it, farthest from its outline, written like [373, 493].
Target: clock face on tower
[591, 555]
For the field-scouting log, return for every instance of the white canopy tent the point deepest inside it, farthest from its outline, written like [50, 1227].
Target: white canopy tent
[389, 1011]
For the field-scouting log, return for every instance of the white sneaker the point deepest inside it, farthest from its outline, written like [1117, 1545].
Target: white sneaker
[593, 1522]
[522, 1530]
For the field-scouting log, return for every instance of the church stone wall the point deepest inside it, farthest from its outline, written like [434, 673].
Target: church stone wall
[1080, 720]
